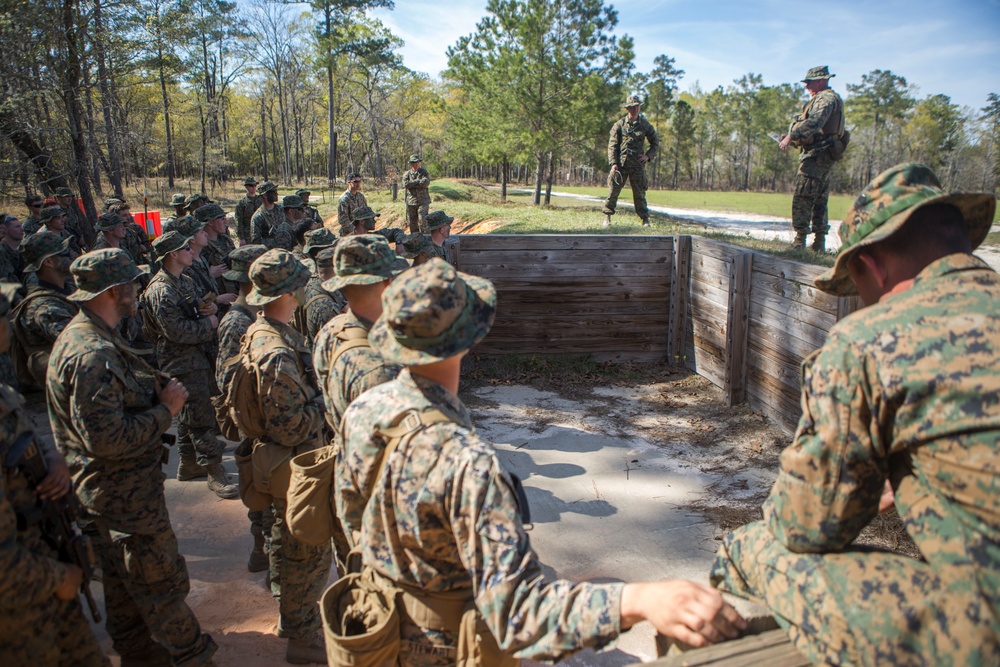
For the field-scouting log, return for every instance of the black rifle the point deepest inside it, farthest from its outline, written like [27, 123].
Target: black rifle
[58, 517]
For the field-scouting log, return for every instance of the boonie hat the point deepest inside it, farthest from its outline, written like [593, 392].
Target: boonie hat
[437, 220]
[273, 274]
[240, 260]
[267, 187]
[821, 72]
[887, 203]
[433, 312]
[632, 101]
[250, 180]
[292, 201]
[302, 191]
[415, 158]
[64, 192]
[318, 238]
[187, 226]
[363, 213]
[169, 242]
[108, 221]
[324, 258]
[209, 212]
[363, 260]
[50, 212]
[40, 245]
[100, 270]
[108, 203]
[178, 200]
[415, 245]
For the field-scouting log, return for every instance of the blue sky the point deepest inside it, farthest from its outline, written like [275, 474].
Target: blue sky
[950, 47]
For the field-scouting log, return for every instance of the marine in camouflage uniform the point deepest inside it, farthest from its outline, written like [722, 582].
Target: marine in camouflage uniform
[136, 240]
[54, 221]
[416, 182]
[39, 628]
[245, 208]
[905, 392]
[74, 216]
[418, 248]
[33, 222]
[365, 262]
[456, 530]
[11, 260]
[216, 253]
[46, 309]
[178, 203]
[321, 305]
[268, 225]
[184, 335]
[107, 421]
[308, 211]
[292, 414]
[627, 159]
[813, 132]
[349, 202]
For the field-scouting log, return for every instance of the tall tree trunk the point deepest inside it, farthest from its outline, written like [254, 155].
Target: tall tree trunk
[166, 116]
[536, 198]
[204, 145]
[504, 168]
[95, 165]
[37, 157]
[71, 78]
[107, 99]
[548, 181]
[263, 137]
[331, 126]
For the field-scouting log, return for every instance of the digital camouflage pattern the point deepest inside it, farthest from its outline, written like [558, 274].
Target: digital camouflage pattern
[320, 306]
[907, 390]
[106, 424]
[39, 320]
[31, 224]
[245, 208]
[356, 370]
[813, 131]
[346, 206]
[292, 412]
[38, 629]
[455, 526]
[271, 229]
[416, 184]
[11, 264]
[625, 144]
[215, 253]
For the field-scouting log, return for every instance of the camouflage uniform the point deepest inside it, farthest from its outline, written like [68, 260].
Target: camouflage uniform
[31, 224]
[455, 524]
[38, 629]
[106, 424]
[320, 307]
[74, 224]
[38, 322]
[136, 242]
[905, 390]
[11, 264]
[186, 349]
[271, 229]
[813, 132]
[292, 412]
[346, 206]
[245, 208]
[625, 145]
[215, 253]
[418, 197]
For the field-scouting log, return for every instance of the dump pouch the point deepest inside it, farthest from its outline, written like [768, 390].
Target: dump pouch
[310, 513]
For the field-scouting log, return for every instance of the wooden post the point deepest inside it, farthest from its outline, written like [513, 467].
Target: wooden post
[395, 190]
[737, 328]
[679, 285]
[453, 252]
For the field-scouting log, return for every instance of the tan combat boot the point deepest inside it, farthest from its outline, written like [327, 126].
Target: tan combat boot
[189, 469]
[258, 561]
[799, 243]
[819, 243]
[607, 221]
[219, 484]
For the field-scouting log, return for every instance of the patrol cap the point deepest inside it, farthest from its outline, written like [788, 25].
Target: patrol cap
[178, 200]
[324, 258]
[437, 220]
[415, 158]
[302, 191]
[887, 203]
[292, 201]
[632, 101]
[433, 312]
[415, 245]
[40, 245]
[267, 187]
[273, 274]
[50, 212]
[821, 72]
[64, 192]
[240, 260]
[108, 221]
[250, 180]
[318, 238]
[169, 242]
[187, 226]
[8, 292]
[100, 270]
[209, 212]
[365, 259]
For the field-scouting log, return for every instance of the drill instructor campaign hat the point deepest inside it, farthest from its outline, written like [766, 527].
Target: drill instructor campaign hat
[433, 312]
[885, 206]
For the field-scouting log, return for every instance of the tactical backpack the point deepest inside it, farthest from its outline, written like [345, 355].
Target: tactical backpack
[30, 361]
[238, 408]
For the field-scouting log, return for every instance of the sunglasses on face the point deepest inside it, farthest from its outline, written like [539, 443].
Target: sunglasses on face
[36, 206]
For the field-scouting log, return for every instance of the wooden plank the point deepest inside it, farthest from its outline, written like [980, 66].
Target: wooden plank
[791, 309]
[799, 337]
[776, 404]
[453, 251]
[847, 305]
[532, 257]
[712, 248]
[568, 329]
[471, 242]
[787, 269]
[778, 368]
[794, 291]
[620, 269]
[679, 297]
[653, 309]
[737, 329]
[584, 288]
[706, 364]
[506, 345]
[702, 293]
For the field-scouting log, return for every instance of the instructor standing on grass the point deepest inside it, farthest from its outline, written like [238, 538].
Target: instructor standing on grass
[628, 161]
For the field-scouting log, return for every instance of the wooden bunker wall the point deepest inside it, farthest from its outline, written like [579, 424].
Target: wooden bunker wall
[741, 319]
